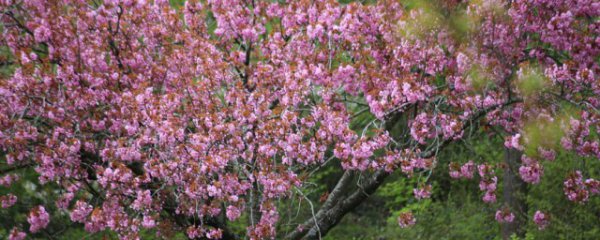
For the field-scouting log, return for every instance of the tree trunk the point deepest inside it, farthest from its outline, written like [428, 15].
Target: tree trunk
[515, 193]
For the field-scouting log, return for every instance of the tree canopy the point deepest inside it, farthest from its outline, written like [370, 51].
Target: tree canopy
[213, 118]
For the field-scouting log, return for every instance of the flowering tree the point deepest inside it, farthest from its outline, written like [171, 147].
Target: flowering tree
[155, 115]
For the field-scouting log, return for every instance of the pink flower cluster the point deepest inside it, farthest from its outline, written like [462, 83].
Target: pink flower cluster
[514, 142]
[38, 219]
[81, 211]
[423, 192]
[8, 179]
[465, 171]
[488, 183]
[578, 190]
[148, 221]
[143, 200]
[233, 212]
[531, 170]
[541, 219]
[15, 234]
[265, 228]
[504, 216]
[444, 126]
[409, 161]
[275, 186]
[8, 200]
[406, 219]
[211, 233]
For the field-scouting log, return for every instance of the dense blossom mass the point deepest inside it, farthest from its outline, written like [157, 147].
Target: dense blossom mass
[150, 115]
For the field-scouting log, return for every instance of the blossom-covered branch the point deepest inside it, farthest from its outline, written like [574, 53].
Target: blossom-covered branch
[146, 113]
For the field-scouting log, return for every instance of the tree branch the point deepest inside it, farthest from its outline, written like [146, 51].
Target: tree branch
[332, 212]
[14, 168]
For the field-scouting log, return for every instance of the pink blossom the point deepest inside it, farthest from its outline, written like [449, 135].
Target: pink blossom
[424, 192]
[488, 184]
[513, 142]
[193, 232]
[467, 170]
[455, 173]
[233, 212]
[421, 128]
[38, 219]
[462, 62]
[8, 200]
[143, 200]
[214, 233]
[8, 179]
[541, 219]
[593, 186]
[489, 197]
[485, 170]
[549, 154]
[265, 227]
[566, 143]
[64, 200]
[42, 33]
[531, 173]
[406, 219]
[148, 222]
[504, 216]
[15, 234]
[81, 211]
[575, 189]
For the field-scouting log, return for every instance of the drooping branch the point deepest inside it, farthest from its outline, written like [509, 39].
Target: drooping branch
[332, 199]
[14, 168]
[334, 209]
[330, 217]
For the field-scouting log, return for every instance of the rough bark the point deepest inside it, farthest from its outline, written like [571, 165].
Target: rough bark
[335, 208]
[514, 193]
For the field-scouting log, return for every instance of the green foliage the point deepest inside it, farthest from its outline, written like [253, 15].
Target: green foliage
[541, 133]
[479, 78]
[531, 81]
[569, 220]
[6, 60]
[456, 211]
